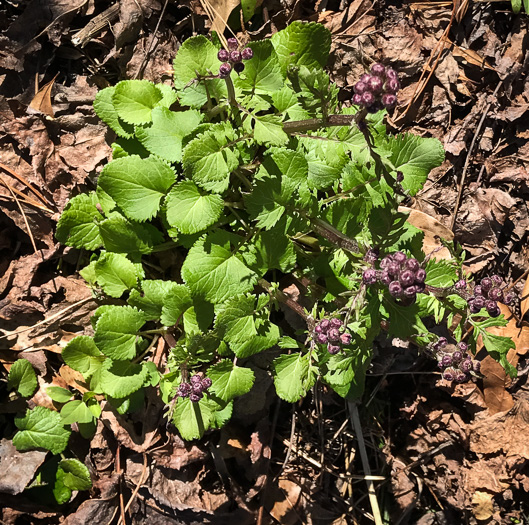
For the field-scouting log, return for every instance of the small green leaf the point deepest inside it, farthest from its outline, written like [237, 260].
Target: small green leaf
[164, 136]
[208, 160]
[230, 381]
[59, 394]
[76, 412]
[211, 269]
[41, 428]
[262, 74]
[121, 378]
[516, 6]
[135, 99]
[123, 236]
[152, 298]
[22, 377]
[137, 185]
[105, 110]
[190, 210]
[175, 304]
[302, 44]
[77, 476]
[61, 492]
[248, 8]
[115, 274]
[415, 156]
[78, 224]
[291, 374]
[82, 355]
[116, 331]
[268, 129]
[192, 419]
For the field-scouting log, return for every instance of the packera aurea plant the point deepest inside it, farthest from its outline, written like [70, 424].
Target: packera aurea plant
[248, 170]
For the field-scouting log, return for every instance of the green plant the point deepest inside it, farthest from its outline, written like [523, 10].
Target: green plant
[221, 187]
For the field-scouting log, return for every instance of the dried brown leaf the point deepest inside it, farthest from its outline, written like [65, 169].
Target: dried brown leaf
[524, 303]
[41, 102]
[482, 506]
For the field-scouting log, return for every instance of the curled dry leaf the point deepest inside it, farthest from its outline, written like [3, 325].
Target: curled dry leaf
[495, 381]
[433, 232]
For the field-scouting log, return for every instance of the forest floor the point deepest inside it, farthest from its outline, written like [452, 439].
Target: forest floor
[438, 453]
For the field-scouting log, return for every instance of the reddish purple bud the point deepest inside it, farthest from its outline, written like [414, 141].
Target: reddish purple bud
[508, 299]
[460, 285]
[479, 302]
[461, 377]
[497, 280]
[407, 278]
[478, 290]
[457, 356]
[393, 268]
[466, 365]
[446, 360]
[247, 53]
[238, 67]
[395, 289]
[462, 346]
[486, 284]
[224, 70]
[195, 379]
[409, 292]
[391, 74]
[378, 69]
[399, 257]
[420, 287]
[317, 329]
[384, 277]
[368, 98]
[195, 397]
[336, 323]
[449, 374]
[413, 265]
[235, 56]
[420, 276]
[372, 255]
[392, 86]
[476, 366]
[223, 55]
[360, 87]
[345, 338]
[233, 44]
[357, 100]
[196, 388]
[442, 342]
[333, 335]
[206, 383]
[333, 349]
[376, 84]
[389, 100]
[495, 294]
[366, 77]
[325, 324]
[369, 276]
[321, 338]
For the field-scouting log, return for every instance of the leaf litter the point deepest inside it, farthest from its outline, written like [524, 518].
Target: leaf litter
[455, 450]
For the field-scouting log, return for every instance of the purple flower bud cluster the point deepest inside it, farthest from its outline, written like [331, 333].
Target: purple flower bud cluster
[233, 58]
[332, 332]
[403, 276]
[487, 294]
[378, 89]
[455, 362]
[194, 390]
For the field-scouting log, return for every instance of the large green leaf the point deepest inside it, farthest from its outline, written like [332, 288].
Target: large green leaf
[212, 270]
[135, 99]
[190, 210]
[137, 185]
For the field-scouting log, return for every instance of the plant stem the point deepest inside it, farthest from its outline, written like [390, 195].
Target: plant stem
[285, 299]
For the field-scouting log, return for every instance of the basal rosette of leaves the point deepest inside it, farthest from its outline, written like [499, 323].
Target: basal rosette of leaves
[241, 181]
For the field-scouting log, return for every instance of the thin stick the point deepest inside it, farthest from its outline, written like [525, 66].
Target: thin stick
[138, 485]
[355, 421]
[23, 215]
[470, 150]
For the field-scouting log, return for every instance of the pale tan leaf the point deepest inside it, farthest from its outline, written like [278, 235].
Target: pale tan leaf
[41, 102]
